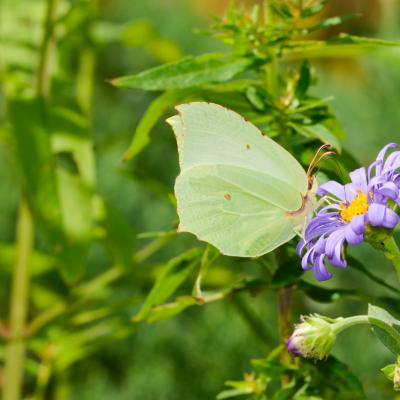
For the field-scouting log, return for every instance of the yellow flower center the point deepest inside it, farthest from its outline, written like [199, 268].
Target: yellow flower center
[358, 206]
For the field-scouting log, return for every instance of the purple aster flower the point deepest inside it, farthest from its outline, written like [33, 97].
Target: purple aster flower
[366, 200]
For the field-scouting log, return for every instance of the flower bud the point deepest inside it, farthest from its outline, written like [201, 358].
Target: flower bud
[392, 372]
[313, 337]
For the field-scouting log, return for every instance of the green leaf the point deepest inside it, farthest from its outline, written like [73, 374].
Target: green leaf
[317, 131]
[345, 38]
[170, 310]
[174, 274]
[338, 375]
[343, 45]
[255, 98]
[324, 295]
[385, 327]
[60, 197]
[313, 9]
[388, 371]
[304, 80]
[119, 236]
[328, 22]
[287, 274]
[186, 73]
[154, 112]
[227, 394]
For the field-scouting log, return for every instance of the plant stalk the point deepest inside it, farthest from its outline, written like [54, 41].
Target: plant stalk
[14, 359]
[15, 348]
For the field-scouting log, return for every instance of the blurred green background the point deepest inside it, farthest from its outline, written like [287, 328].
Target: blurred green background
[190, 356]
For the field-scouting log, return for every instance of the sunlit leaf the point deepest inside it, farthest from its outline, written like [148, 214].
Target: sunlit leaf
[154, 112]
[189, 72]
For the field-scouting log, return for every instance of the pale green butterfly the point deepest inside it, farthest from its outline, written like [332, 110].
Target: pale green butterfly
[238, 190]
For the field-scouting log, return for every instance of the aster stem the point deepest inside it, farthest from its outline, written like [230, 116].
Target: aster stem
[392, 253]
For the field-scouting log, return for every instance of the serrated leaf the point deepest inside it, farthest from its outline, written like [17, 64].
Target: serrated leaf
[186, 73]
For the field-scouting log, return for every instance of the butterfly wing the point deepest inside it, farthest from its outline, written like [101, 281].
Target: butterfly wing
[236, 188]
[211, 134]
[227, 207]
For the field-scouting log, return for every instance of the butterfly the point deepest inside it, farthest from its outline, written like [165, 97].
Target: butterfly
[237, 189]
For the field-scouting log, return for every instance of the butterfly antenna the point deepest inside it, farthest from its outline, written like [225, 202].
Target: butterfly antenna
[318, 157]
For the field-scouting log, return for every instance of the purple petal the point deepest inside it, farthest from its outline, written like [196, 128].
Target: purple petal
[333, 240]
[359, 178]
[320, 270]
[352, 238]
[332, 187]
[291, 346]
[381, 156]
[391, 219]
[372, 166]
[389, 189]
[392, 161]
[357, 224]
[336, 257]
[376, 214]
[300, 247]
[350, 192]
[308, 259]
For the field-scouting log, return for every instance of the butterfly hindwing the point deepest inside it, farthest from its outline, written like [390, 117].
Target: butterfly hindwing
[228, 214]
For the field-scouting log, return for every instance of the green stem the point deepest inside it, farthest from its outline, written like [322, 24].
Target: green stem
[392, 253]
[43, 374]
[15, 348]
[366, 319]
[43, 79]
[285, 313]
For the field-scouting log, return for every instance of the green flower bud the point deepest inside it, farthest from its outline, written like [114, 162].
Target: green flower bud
[313, 337]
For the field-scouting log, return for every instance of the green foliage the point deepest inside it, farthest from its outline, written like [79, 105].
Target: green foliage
[106, 253]
[307, 381]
